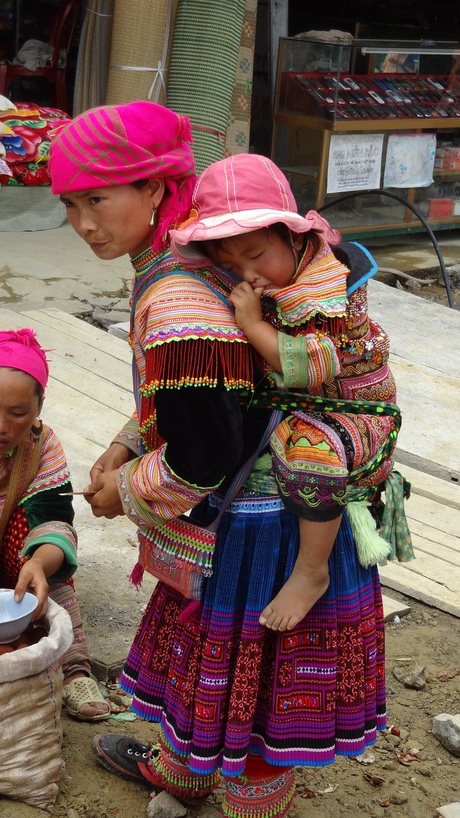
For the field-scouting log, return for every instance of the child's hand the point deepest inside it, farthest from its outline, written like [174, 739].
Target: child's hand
[248, 309]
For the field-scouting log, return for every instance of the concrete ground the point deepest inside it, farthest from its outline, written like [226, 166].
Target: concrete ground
[415, 251]
[56, 268]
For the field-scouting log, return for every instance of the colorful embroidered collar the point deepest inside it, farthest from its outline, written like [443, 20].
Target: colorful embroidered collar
[318, 288]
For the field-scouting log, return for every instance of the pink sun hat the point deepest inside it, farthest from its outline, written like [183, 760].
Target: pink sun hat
[237, 195]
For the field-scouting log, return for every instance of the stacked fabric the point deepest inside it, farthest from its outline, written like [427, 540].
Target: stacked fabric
[24, 142]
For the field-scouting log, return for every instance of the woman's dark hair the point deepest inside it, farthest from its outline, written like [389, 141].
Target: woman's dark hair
[39, 391]
[140, 183]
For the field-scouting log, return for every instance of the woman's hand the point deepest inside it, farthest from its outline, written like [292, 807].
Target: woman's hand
[104, 497]
[115, 456]
[248, 309]
[32, 579]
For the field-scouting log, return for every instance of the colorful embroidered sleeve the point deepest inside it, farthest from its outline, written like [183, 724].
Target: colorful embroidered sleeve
[129, 435]
[189, 337]
[151, 492]
[54, 533]
[50, 515]
[53, 470]
[185, 340]
[307, 361]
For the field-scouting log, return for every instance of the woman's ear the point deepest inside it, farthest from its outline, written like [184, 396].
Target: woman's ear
[157, 191]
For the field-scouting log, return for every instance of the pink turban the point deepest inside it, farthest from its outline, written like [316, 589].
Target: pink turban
[119, 144]
[21, 350]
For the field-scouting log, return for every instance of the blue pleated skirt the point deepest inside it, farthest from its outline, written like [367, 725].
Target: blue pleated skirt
[222, 686]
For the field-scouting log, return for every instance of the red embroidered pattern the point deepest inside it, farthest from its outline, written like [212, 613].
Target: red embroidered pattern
[12, 544]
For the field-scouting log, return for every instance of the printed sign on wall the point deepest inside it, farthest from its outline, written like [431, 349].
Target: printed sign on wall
[355, 162]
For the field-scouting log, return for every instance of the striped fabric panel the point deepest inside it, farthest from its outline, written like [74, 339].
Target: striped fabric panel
[238, 131]
[53, 470]
[320, 287]
[307, 361]
[151, 492]
[188, 310]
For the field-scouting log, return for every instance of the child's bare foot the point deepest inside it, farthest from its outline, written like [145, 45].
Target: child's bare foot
[297, 596]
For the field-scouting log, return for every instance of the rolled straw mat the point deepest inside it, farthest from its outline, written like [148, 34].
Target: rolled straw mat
[140, 45]
[93, 56]
[204, 54]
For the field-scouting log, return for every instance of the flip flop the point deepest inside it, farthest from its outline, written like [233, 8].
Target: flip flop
[83, 690]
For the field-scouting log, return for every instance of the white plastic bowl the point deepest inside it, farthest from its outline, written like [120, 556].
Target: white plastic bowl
[14, 616]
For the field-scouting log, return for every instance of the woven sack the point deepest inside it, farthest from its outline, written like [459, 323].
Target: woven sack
[30, 714]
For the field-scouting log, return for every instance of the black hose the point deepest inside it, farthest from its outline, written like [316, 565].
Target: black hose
[417, 213]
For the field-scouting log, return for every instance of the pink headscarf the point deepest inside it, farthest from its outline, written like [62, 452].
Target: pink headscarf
[119, 144]
[21, 350]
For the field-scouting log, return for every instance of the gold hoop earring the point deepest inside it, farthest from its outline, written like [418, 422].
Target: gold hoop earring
[153, 218]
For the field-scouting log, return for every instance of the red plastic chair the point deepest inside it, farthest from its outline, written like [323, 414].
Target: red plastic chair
[60, 37]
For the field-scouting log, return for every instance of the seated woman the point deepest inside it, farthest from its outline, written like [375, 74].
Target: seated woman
[37, 540]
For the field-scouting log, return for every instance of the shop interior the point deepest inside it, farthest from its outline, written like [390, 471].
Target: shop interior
[304, 129]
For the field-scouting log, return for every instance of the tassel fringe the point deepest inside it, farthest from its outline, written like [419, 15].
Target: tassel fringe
[371, 548]
[137, 575]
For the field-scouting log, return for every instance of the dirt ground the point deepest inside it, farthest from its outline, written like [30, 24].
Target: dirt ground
[411, 774]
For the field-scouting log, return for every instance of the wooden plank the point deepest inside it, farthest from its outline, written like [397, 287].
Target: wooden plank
[86, 382]
[90, 351]
[81, 413]
[438, 571]
[437, 554]
[421, 588]
[431, 581]
[445, 491]
[81, 330]
[429, 402]
[433, 514]
[437, 543]
[84, 425]
[392, 608]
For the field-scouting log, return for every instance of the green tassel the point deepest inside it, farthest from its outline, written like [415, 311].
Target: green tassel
[370, 546]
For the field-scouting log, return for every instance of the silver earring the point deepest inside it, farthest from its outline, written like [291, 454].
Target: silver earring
[37, 429]
[153, 218]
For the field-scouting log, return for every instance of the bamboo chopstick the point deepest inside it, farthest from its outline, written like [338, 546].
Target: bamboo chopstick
[75, 493]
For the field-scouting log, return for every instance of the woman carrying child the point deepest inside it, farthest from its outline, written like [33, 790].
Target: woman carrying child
[231, 696]
[313, 330]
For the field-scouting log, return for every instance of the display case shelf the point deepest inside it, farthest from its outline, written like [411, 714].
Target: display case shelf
[333, 99]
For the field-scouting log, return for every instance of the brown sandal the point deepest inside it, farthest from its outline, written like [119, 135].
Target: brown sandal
[80, 691]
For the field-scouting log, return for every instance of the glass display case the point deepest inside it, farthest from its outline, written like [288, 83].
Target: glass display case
[371, 115]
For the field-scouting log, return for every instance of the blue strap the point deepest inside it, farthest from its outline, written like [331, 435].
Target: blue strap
[373, 268]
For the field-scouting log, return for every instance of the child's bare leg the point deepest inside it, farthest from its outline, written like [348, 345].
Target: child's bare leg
[309, 579]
